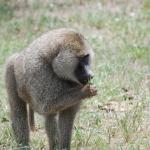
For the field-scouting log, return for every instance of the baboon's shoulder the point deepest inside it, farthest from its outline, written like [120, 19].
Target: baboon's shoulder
[11, 59]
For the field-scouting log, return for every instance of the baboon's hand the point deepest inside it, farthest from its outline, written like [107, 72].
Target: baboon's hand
[89, 90]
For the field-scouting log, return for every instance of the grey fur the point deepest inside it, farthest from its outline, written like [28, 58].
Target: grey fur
[37, 76]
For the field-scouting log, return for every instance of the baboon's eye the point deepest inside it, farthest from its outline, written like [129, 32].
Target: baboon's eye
[84, 60]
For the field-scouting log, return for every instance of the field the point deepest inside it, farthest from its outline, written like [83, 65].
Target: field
[119, 32]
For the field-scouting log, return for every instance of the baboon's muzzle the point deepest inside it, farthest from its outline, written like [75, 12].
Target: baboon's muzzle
[87, 76]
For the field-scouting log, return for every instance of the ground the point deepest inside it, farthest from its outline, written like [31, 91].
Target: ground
[119, 32]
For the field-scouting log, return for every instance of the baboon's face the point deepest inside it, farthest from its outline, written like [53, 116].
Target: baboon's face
[83, 71]
[74, 59]
[68, 66]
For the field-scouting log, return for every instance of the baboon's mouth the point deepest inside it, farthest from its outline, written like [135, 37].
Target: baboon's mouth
[86, 80]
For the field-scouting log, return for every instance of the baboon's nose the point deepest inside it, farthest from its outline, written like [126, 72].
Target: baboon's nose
[91, 75]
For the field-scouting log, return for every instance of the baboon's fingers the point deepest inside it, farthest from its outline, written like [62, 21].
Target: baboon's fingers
[93, 90]
[90, 90]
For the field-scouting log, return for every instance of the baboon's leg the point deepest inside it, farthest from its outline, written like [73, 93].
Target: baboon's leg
[66, 120]
[18, 110]
[31, 118]
[20, 122]
[52, 131]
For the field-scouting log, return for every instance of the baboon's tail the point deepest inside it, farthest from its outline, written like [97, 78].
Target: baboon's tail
[31, 119]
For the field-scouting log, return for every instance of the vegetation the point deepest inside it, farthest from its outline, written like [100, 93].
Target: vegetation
[119, 32]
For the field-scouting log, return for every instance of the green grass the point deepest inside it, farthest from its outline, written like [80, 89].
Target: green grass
[119, 32]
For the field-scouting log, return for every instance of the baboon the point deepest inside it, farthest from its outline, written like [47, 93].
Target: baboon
[51, 77]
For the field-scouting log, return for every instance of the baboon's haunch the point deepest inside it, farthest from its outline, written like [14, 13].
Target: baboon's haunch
[52, 76]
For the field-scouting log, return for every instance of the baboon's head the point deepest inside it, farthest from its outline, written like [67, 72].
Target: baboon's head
[73, 61]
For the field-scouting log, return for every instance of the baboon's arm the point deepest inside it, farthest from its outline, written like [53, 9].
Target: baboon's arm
[50, 94]
[65, 100]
